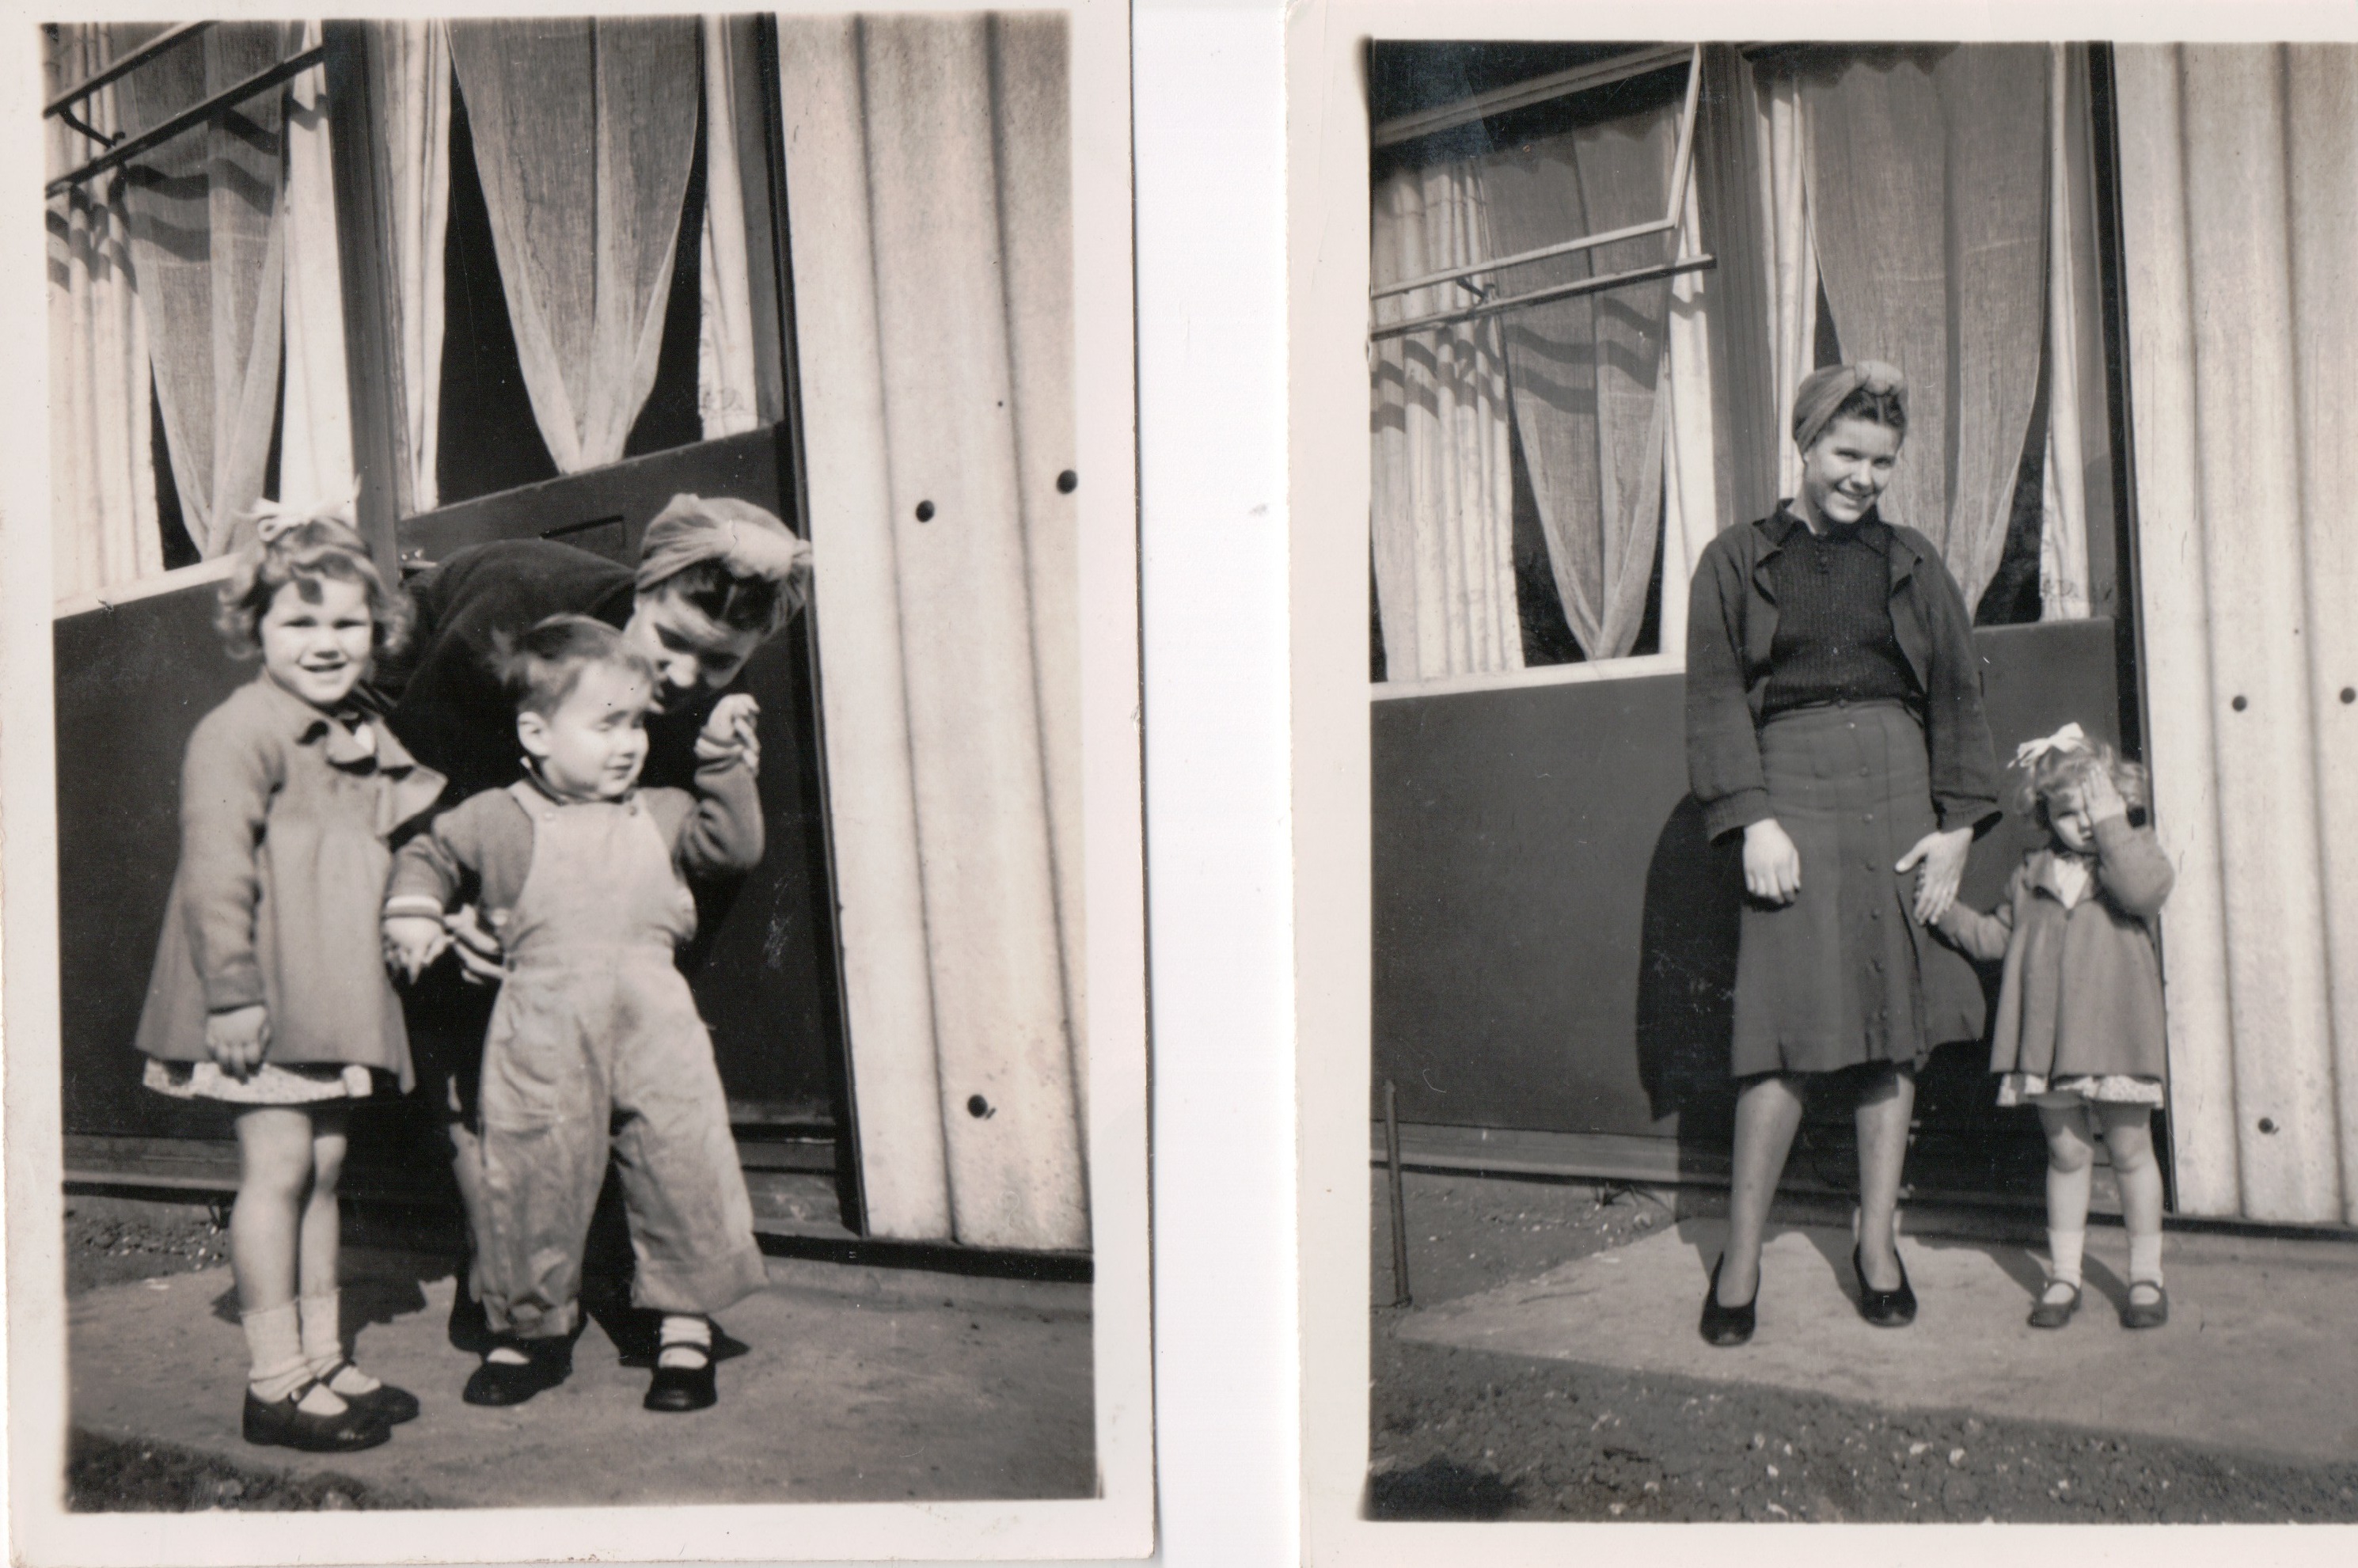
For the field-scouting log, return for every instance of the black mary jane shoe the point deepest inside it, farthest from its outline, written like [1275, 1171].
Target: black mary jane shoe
[548, 1363]
[1885, 1309]
[391, 1405]
[285, 1423]
[2045, 1314]
[1726, 1325]
[676, 1390]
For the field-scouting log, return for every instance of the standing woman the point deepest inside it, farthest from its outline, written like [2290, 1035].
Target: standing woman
[1834, 718]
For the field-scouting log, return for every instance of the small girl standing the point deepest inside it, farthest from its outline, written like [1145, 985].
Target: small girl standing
[270, 996]
[2079, 1030]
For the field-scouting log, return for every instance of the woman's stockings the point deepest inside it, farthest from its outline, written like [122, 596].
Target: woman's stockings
[1881, 1119]
[1768, 1114]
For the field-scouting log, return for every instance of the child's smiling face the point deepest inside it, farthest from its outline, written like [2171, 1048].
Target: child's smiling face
[592, 746]
[316, 638]
[2068, 818]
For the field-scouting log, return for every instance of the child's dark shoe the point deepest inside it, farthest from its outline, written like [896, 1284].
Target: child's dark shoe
[285, 1423]
[678, 1390]
[503, 1381]
[470, 1330]
[2055, 1309]
[391, 1405]
[2142, 1313]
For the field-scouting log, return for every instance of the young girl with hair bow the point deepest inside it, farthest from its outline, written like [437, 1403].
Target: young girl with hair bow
[2079, 1025]
[269, 1000]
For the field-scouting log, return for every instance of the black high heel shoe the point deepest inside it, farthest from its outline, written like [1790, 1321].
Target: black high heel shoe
[1885, 1309]
[1726, 1325]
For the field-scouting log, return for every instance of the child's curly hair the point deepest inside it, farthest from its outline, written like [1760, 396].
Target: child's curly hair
[2069, 766]
[302, 552]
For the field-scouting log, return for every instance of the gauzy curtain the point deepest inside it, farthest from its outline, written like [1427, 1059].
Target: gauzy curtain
[928, 161]
[585, 132]
[101, 472]
[2078, 486]
[1586, 371]
[409, 65]
[315, 462]
[1789, 256]
[2240, 245]
[1926, 195]
[208, 246]
[1442, 511]
[738, 385]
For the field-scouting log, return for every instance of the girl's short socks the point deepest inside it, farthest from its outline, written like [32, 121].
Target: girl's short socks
[275, 1350]
[2065, 1248]
[2145, 1260]
[323, 1345]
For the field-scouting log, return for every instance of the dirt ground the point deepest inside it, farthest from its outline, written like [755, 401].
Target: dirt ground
[1467, 1434]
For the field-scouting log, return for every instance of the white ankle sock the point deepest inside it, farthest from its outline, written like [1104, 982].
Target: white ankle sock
[685, 1341]
[275, 1349]
[323, 1343]
[2064, 1248]
[2145, 1260]
[507, 1355]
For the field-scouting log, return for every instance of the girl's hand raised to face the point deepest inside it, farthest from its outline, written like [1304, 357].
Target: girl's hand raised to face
[2101, 795]
[236, 1039]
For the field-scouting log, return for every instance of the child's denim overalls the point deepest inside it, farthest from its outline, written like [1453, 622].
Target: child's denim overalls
[595, 1030]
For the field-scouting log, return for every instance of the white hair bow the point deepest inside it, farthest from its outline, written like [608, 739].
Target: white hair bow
[273, 519]
[2070, 737]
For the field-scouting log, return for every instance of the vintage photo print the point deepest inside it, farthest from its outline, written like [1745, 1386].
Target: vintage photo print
[1824, 691]
[574, 927]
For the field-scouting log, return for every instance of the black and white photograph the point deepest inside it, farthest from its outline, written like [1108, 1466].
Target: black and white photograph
[1821, 593]
[574, 929]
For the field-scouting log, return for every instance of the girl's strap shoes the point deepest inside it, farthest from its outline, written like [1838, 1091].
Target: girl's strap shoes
[393, 1406]
[1885, 1309]
[2055, 1314]
[678, 1389]
[1726, 1325]
[285, 1423]
[2145, 1314]
[546, 1363]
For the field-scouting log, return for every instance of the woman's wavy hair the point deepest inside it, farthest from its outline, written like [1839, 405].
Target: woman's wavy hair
[303, 553]
[2065, 768]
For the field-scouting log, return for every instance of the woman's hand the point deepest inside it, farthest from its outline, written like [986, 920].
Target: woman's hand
[235, 1039]
[1942, 858]
[730, 732]
[482, 958]
[1772, 866]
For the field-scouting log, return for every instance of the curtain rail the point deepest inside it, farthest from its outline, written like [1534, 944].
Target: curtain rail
[124, 67]
[1523, 94]
[1681, 163]
[1542, 295]
[260, 83]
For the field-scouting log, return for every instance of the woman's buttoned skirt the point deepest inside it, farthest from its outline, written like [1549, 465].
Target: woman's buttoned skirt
[1835, 979]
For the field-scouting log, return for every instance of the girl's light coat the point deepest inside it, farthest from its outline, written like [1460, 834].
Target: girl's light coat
[2082, 988]
[285, 818]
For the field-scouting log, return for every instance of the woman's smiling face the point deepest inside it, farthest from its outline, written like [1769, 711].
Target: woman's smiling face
[1845, 469]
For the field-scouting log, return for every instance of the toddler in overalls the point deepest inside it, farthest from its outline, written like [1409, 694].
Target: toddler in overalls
[595, 1035]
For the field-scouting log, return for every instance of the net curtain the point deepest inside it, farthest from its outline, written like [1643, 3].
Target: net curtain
[1586, 372]
[584, 132]
[102, 482]
[928, 156]
[1442, 523]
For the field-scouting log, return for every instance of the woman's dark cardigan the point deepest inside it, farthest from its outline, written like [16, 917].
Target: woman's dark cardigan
[1731, 625]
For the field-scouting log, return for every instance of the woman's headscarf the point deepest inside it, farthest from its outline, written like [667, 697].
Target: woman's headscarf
[1823, 391]
[748, 541]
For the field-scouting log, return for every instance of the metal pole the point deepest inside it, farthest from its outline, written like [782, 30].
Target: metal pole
[1400, 1208]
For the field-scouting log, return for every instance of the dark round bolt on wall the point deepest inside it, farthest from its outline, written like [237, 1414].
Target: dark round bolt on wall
[977, 1107]
[2349, 694]
[925, 511]
[2268, 1124]
[2241, 703]
[1068, 483]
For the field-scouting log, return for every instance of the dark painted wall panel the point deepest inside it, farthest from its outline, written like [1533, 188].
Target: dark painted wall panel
[1554, 941]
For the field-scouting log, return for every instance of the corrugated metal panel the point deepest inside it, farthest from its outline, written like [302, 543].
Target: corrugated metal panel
[2239, 189]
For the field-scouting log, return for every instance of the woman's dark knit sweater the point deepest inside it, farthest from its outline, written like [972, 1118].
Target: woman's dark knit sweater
[1835, 641]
